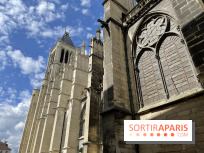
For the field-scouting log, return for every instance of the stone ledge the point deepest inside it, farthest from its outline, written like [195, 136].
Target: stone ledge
[177, 99]
[116, 108]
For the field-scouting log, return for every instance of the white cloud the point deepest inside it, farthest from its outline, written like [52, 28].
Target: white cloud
[89, 35]
[86, 3]
[56, 1]
[4, 40]
[12, 118]
[2, 1]
[19, 126]
[33, 68]
[56, 32]
[64, 7]
[75, 8]
[3, 60]
[36, 80]
[27, 64]
[85, 11]
[47, 11]
[6, 24]
[35, 83]
[88, 28]
[2, 92]
[8, 132]
[44, 6]
[75, 31]
[15, 7]
[11, 93]
[14, 14]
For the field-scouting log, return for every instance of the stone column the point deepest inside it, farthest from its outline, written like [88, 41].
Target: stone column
[115, 83]
[40, 127]
[36, 117]
[92, 137]
[55, 76]
[49, 121]
[80, 77]
[28, 123]
[63, 98]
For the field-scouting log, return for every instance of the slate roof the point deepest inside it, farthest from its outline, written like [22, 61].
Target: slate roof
[67, 39]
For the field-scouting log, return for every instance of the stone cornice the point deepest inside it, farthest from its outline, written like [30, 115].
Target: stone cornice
[117, 3]
[139, 11]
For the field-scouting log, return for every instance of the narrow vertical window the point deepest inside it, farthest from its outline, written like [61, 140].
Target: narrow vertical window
[82, 121]
[150, 79]
[66, 57]
[62, 56]
[176, 66]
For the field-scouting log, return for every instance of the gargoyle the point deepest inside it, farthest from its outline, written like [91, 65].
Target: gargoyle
[104, 25]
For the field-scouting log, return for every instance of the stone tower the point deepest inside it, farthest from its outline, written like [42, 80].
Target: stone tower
[62, 108]
[148, 67]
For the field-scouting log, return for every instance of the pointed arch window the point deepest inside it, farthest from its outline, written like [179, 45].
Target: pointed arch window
[82, 121]
[161, 62]
[66, 57]
[62, 56]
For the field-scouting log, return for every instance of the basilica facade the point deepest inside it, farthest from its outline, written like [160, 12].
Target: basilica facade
[149, 66]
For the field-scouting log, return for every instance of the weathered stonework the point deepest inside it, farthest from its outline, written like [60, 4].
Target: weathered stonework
[53, 121]
[84, 100]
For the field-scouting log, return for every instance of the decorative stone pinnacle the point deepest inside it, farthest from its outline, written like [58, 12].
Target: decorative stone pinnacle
[83, 47]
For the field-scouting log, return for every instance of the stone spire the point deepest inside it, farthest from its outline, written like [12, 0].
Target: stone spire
[98, 33]
[83, 47]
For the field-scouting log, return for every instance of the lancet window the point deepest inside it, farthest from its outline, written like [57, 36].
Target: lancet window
[82, 121]
[62, 56]
[65, 56]
[161, 61]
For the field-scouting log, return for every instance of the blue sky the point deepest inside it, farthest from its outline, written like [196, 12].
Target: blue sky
[28, 30]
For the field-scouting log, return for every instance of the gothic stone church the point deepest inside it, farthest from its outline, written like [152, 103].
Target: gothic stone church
[150, 66]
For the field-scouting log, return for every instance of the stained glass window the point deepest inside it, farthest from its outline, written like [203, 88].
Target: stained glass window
[164, 69]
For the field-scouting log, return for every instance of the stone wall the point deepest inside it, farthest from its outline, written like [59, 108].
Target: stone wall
[191, 18]
[189, 15]
[116, 84]
[186, 109]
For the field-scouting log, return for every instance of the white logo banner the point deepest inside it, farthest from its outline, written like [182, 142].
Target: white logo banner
[157, 130]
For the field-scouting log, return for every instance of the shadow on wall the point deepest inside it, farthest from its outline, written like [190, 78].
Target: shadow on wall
[194, 35]
[192, 109]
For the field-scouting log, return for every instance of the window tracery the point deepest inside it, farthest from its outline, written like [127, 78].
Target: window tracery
[161, 63]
